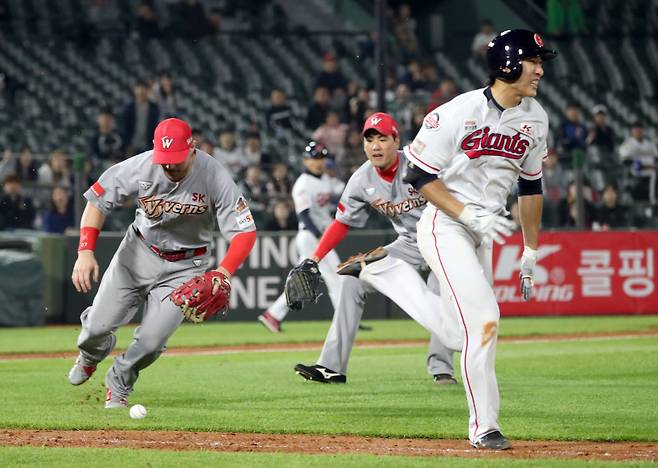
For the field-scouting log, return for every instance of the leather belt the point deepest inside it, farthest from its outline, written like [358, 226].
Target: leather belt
[172, 255]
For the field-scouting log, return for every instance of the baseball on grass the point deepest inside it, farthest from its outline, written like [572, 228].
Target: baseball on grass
[137, 412]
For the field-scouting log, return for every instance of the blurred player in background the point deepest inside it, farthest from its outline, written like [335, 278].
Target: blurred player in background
[311, 194]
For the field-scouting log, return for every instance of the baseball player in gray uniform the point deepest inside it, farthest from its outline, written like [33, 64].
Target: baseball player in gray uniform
[180, 191]
[377, 185]
[465, 160]
[311, 195]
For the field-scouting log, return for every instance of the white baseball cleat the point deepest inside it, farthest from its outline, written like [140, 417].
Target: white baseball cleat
[80, 373]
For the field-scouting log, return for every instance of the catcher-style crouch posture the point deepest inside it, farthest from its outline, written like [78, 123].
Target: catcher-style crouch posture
[377, 185]
[180, 191]
[465, 160]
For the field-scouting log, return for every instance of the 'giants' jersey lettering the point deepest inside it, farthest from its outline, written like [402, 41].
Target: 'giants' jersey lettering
[155, 207]
[482, 143]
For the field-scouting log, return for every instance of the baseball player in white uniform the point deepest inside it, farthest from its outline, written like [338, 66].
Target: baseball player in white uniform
[465, 160]
[311, 195]
[377, 185]
[180, 192]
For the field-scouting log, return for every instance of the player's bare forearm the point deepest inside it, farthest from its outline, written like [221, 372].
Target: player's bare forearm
[530, 209]
[438, 195]
[92, 217]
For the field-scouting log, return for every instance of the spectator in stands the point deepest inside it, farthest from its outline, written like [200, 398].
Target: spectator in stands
[554, 181]
[430, 76]
[609, 214]
[139, 119]
[331, 77]
[280, 186]
[283, 218]
[253, 150]
[337, 184]
[405, 33]
[147, 23]
[279, 112]
[482, 40]
[357, 106]
[105, 147]
[317, 111]
[332, 134]
[16, 210]
[446, 91]
[353, 156]
[402, 106]
[601, 134]
[56, 170]
[60, 215]
[164, 95]
[229, 153]
[569, 211]
[641, 154]
[573, 133]
[25, 167]
[254, 186]
[417, 118]
[413, 76]
[190, 20]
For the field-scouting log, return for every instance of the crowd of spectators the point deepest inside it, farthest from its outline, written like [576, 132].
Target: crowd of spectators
[37, 193]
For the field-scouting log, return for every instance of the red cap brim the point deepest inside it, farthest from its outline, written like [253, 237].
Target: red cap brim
[170, 157]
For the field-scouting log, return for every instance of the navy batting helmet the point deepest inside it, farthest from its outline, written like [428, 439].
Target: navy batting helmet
[508, 49]
[315, 150]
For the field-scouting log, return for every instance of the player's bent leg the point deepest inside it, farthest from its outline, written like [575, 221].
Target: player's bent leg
[344, 325]
[415, 298]
[451, 253]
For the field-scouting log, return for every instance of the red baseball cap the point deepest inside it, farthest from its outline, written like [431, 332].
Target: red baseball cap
[172, 141]
[382, 123]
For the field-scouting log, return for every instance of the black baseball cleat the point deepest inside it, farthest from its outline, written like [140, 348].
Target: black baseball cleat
[493, 441]
[363, 327]
[320, 374]
[444, 379]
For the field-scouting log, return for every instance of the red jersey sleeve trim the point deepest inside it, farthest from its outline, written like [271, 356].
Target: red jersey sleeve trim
[332, 236]
[238, 250]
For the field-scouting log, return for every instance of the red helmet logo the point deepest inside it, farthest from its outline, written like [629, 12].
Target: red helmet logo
[538, 40]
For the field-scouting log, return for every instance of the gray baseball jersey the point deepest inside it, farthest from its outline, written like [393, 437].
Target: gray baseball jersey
[175, 215]
[397, 200]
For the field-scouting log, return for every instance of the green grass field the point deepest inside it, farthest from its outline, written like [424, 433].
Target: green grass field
[594, 389]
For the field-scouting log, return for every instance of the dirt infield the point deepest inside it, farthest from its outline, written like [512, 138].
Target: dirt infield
[324, 444]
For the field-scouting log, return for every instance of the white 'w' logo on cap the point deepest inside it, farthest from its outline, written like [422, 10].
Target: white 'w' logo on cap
[166, 142]
[375, 121]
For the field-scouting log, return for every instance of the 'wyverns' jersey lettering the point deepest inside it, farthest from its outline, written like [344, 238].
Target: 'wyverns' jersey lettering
[174, 215]
[480, 150]
[155, 207]
[393, 210]
[366, 192]
[483, 143]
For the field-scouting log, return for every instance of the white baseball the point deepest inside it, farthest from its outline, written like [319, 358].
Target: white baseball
[137, 412]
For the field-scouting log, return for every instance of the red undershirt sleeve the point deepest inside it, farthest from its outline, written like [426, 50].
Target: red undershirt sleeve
[238, 250]
[332, 236]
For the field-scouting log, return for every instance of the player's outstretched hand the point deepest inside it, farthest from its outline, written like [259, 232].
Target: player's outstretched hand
[85, 269]
[489, 225]
[528, 262]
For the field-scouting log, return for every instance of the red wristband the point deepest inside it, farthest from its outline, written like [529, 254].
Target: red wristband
[88, 236]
